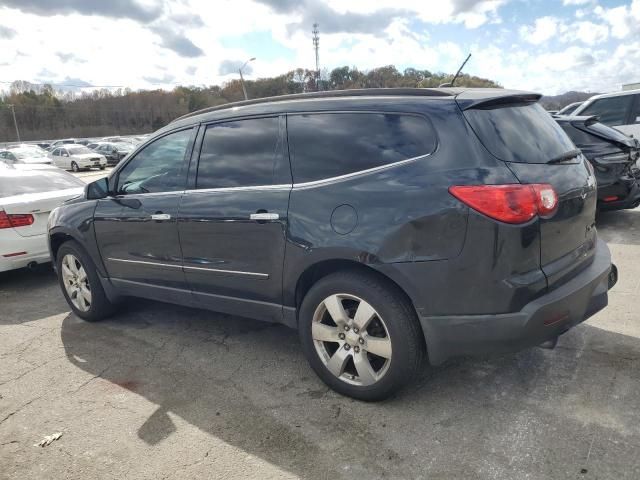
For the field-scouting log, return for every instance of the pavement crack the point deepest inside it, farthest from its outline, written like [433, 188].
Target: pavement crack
[11, 414]
[84, 384]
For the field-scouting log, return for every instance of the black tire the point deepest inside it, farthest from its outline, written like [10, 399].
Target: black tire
[100, 306]
[399, 318]
[102, 168]
[74, 167]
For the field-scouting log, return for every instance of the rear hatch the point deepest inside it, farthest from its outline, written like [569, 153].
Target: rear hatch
[518, 131]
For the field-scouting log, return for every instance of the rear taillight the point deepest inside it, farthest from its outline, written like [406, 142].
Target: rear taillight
[15, 220]
[509, 203]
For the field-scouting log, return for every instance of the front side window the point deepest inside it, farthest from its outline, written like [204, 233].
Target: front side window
[158, 167]
[610, 111]
[325, 145]
[242, 153]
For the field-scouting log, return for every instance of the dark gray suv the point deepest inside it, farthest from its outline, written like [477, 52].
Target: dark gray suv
[386, 225]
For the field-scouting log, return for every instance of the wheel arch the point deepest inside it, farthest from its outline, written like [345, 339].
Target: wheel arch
[313, 273]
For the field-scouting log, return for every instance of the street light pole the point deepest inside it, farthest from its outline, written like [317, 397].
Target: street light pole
[244, 89]
[15, 122]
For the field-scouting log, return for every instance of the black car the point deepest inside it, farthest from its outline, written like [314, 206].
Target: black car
[386, 225]
[614, 156]
[114, 152]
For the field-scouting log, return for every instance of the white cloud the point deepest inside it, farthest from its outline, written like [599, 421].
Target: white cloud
[624, 20]
[543, 30]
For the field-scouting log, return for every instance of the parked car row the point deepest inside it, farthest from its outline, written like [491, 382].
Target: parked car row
[72, 154]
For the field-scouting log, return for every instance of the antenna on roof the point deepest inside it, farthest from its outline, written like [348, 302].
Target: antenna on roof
[455, 77]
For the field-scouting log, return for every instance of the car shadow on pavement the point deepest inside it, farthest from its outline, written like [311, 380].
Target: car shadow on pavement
[621, 226]
[248, 384]
[34, 288]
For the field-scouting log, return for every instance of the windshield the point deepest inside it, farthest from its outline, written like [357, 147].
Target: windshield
[18, 182]
[522, 133]
[123, 146]
[569, 109]
[78, 150]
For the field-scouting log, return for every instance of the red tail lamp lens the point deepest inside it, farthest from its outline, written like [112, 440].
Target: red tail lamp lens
[15, 220]
[515, 204]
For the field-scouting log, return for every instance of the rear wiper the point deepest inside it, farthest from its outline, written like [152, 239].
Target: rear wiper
[565, 156]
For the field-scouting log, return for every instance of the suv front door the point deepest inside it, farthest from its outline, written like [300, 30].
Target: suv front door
[136, 228]
[233, 220]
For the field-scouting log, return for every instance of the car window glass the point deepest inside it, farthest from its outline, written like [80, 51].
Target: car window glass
[242, 153]
[610, 111]
[635, 114]
[325, 145]
[157, 167]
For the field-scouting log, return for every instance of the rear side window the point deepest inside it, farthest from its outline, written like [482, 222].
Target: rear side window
[326, 145]
[522, 133]
[18, 182]
[610, 111]
[242, 153]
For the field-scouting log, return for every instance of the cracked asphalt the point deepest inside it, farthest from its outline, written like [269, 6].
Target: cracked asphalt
[161, 391]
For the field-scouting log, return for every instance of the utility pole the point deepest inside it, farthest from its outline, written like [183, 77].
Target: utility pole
[15, 122]
[244, 89]
[316, 46]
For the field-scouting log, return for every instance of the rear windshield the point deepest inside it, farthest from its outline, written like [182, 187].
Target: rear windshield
[522, 133]
[18, 182]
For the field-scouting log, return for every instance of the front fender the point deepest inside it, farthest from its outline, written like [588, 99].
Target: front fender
[75, 221]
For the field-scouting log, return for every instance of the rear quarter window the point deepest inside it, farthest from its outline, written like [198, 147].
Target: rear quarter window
[326, 145]
[522, 133]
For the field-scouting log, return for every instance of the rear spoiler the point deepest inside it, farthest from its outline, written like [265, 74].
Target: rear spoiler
[469, 100]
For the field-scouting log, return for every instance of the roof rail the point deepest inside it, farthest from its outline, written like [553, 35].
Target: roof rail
[360, 92]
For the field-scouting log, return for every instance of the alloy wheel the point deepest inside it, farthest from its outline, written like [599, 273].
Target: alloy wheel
[351, 339]
[76, 282]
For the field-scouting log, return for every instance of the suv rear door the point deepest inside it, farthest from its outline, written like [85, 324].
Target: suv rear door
[233, 219]
[522, 134]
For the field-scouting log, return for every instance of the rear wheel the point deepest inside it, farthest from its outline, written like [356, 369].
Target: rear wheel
[80, 284]
[360, 335]
[74, 167]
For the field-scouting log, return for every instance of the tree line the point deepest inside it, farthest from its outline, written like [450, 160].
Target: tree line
[42, 112]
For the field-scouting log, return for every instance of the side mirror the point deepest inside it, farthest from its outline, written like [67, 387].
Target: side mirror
[98, 189]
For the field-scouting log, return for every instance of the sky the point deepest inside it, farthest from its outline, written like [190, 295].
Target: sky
[549, 46]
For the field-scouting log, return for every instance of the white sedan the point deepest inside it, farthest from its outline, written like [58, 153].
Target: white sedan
[27, 155]
[28, 193]
[77, 157]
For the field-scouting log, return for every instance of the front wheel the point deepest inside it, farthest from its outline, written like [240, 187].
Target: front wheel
[80, 284]
[360, 335]
[102, 168]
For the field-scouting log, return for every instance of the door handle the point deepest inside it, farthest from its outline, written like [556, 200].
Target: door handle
[264, 216]
[160, 216]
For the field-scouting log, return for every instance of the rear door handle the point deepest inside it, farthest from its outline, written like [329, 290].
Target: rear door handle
[160, 216]
[264, 216]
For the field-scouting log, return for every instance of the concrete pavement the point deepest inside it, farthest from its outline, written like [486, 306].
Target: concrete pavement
[161, 391]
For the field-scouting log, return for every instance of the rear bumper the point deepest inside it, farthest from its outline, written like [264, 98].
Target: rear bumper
[627, 191]
[542, 319]
[35, 248]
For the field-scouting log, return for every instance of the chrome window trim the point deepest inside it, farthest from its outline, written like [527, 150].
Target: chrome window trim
[148, 194]
[216, 270]
[348, 176]
[284, 186]
[314, 183]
